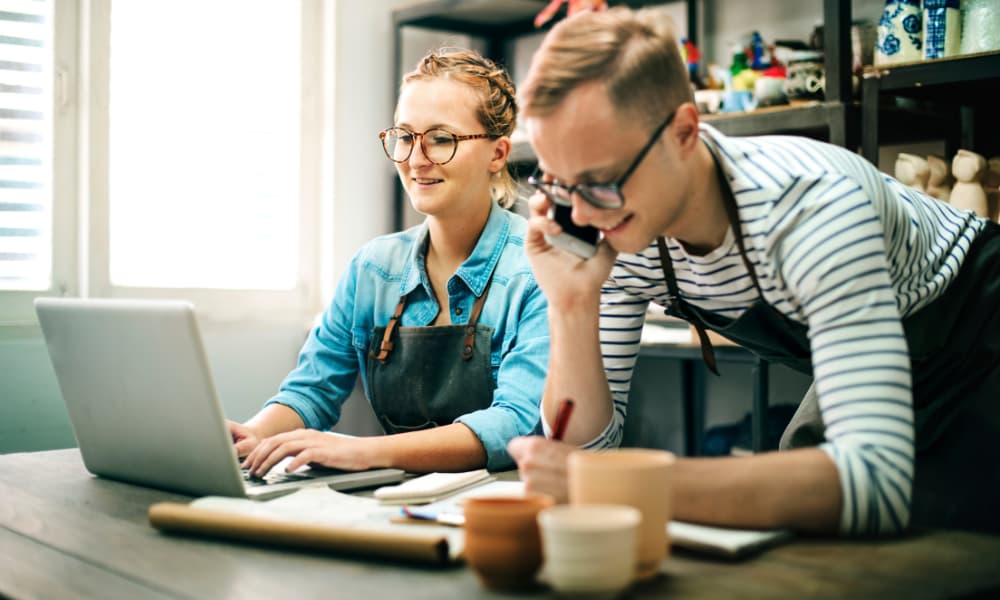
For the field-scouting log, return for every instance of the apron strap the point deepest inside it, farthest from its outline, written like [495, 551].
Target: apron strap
[386, 347]
[470, 327]
[707, 351]
[732, 212]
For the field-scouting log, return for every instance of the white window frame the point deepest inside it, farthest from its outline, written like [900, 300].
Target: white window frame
[16, 308]
[81, 217]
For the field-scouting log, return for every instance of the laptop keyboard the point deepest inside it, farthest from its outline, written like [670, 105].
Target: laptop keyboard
[273, 476]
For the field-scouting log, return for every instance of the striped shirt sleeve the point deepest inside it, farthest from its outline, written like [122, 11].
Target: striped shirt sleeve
[623, 313]
[832, 258]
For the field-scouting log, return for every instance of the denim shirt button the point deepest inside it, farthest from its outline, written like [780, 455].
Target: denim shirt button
[458, 310]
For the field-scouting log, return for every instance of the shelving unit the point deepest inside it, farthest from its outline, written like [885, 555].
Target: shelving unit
[962, 91]
[836, 119]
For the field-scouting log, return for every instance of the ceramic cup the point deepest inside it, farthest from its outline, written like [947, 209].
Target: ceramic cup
[502, 543]
[589, 549]
[634, 477]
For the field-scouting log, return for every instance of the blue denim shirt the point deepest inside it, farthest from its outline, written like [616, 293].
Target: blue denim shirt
[386, 268]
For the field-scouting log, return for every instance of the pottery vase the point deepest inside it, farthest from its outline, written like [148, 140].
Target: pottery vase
[900, 33]
[912, 170]
[980, 26]
[939, 179]
[942, 28]
[968, 168]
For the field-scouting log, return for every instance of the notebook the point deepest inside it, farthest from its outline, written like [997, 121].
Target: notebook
[137, 386]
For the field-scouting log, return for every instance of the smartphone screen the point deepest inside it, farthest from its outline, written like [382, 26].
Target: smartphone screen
[581, 241]
[561, 214]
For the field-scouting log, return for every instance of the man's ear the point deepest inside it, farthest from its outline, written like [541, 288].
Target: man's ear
[685, 127]
[501, 151]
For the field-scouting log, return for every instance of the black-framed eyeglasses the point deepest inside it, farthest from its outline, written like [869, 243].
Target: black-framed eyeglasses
[600, 195]
[439, 145]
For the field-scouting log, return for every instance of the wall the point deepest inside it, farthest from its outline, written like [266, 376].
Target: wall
[250, 359]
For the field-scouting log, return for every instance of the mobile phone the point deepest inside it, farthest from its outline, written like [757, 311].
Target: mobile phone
[581, 241]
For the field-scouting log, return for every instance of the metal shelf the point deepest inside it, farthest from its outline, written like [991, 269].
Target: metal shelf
[961, 90]
[946, 77]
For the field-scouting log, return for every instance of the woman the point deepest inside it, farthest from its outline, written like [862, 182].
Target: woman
[444, 322]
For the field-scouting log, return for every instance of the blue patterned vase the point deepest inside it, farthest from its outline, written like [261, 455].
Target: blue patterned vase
[942, 28]
[900, 33]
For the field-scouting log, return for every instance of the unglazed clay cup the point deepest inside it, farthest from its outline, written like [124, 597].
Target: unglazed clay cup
[502, 543]
[634, 477]
[589, 549]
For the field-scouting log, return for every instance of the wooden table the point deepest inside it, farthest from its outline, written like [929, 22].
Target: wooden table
[67, 534]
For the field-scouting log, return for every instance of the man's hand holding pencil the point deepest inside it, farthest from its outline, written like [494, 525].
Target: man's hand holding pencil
[542, 462]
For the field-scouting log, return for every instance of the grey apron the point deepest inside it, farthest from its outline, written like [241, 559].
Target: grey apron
[956, 391]
[422, 377]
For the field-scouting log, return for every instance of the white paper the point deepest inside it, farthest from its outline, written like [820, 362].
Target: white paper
[723, 540]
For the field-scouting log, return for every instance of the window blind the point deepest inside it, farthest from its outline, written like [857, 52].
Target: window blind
[25, 144]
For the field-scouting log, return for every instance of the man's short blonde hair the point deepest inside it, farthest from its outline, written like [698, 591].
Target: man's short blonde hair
[635, 54]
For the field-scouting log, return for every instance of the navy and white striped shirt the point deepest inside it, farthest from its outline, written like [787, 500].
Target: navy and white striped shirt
[839, 247]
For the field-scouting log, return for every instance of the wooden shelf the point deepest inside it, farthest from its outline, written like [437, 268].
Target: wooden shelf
[951, 79]
[815, 117]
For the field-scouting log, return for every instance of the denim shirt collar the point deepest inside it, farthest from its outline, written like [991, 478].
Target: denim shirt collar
[475, 272]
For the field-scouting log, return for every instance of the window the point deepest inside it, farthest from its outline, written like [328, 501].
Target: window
[168, 149]
[204, 144]
[26, 77]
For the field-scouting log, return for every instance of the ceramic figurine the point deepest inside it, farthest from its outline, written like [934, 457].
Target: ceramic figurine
[900, 33]
[939, 179]
[912, 170]
[968, 193]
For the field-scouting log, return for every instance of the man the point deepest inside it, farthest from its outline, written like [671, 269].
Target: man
[798, 250]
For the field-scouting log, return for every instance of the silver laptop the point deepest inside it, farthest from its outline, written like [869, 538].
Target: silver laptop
[139, 392]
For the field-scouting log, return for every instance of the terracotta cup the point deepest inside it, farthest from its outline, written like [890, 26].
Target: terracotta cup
[631, 476]
[502, 543]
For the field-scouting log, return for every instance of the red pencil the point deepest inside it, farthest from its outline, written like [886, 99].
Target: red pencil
[562, 419]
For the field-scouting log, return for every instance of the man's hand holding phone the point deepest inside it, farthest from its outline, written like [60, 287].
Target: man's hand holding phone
[580, 240]
[555, 254]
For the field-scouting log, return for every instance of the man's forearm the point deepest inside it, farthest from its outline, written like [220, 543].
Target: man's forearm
[576, 371]
[797, 489]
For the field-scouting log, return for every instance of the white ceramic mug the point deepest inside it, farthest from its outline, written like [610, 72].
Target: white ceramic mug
[589, 548]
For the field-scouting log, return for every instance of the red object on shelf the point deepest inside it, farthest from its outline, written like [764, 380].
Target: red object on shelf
[573, 7]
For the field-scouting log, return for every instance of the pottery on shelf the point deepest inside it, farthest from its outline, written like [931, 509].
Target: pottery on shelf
[969, 168]
[912, 170]
[900, 33]
[942, 28]
[980, 26]
[939, 179]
